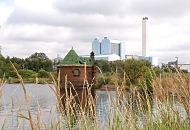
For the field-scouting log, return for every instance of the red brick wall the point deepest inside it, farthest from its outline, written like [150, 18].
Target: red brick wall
[77, 81]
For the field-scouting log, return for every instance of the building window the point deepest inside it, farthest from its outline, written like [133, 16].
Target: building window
[76, 72]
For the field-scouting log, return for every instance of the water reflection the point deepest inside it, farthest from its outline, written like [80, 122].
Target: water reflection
[79, 100]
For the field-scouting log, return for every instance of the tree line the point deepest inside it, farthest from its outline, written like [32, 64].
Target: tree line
[139, 73]
[36, 65]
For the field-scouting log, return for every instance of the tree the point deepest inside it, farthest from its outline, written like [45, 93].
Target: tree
[18, 62]
[134, 69]
[5, 67]
[103, 65]
[38, 61]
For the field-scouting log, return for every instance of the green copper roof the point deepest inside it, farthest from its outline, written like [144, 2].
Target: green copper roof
[73, 59]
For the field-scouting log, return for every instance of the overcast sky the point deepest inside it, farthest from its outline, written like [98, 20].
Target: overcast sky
[54, 26]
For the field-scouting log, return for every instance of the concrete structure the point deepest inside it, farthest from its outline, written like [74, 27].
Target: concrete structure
[108, 49]
[151, 59]
[96, 46]
[112, 57]
[144, 36]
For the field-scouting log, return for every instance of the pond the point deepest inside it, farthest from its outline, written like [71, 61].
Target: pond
[13, 106]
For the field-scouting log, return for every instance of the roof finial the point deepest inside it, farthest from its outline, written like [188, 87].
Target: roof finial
[72, 48]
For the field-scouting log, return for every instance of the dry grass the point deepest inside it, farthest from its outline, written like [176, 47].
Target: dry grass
[2, 82]
[126, 110]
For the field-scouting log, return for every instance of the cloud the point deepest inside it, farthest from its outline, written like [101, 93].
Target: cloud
[21, 15]
[105, 7]
[34, 32]
[7, 2]
[161, 9]
[60, 24]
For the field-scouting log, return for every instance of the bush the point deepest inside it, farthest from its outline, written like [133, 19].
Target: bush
[27, 73]
[43, 74]
[134, 69]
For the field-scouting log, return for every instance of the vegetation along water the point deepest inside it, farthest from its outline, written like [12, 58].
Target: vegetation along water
[129, 95]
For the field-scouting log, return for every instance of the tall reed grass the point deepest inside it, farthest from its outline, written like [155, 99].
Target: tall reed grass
[127, 110]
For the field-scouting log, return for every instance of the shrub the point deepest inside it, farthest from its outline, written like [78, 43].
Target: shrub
[27, 73]
[43, 74]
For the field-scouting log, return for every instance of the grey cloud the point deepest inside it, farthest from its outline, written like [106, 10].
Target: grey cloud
[161, 8]
[179, 48]
[82, 27]
[77, 22]
[25, 49]
[20, 16]
[32, 33]
[106, 7]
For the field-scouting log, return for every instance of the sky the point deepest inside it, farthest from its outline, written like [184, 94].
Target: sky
[55, 26]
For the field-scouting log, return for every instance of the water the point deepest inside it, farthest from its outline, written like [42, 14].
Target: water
[13, 108]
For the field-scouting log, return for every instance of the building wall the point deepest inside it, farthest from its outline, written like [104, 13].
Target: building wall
[105, 46]
[108, 47]
[115, 49]
[77, 81]
[96, 46]
[122, 50]
[111, 57]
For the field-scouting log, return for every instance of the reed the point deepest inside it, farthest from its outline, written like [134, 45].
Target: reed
[129, 109]
[2, 82]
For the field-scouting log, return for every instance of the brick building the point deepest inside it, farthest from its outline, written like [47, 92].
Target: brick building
[77, 71]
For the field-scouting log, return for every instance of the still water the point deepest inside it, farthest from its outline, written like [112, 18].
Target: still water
[13, 106]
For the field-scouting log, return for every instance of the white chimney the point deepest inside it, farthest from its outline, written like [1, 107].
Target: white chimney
[144, 36]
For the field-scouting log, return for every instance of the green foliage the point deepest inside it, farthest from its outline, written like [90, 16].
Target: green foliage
[35, 62]
[184, 71]
[103, 80]
[43, 74]
[5, 67]
[103, 65]
[157, 71]
[135, 69]
[38, 61]
[136, 72]
[27, 73]
[18, 62]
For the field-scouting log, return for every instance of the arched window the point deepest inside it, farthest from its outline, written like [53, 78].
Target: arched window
[76, 72]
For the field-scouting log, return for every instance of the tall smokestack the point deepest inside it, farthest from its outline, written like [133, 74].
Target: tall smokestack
[144, 36]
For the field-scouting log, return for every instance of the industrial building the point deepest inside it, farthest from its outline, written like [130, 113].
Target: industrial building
[108, 49]
[144, 56]
[112, 50]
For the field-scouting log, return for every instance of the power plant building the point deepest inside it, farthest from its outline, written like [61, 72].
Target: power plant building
[112, 50]
[108, 49]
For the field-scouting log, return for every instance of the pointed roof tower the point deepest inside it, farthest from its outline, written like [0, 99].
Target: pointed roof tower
[71, 58]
